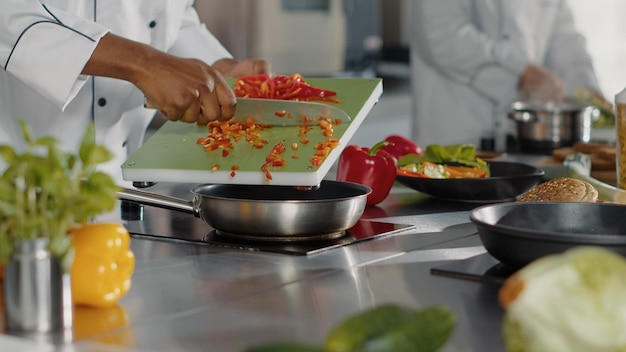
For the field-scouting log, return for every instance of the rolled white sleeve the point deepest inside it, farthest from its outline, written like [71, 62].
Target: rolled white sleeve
[46, 48]
[449, 41]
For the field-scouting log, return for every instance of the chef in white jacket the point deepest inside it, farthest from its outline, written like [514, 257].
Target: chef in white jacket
[67, 63]
[472, 58]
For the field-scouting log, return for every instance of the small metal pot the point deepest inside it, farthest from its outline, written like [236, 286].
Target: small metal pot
[37, 294]
[543, 127]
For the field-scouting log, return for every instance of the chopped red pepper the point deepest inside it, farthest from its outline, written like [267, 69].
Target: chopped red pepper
[316, 160]
[292, 87]
[273, 159]
[373, 167]
[322, 149]
[399, 146]
[233, 170]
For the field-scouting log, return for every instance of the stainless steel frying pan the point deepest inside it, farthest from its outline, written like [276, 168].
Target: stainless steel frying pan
[518, 233]
[281, 213]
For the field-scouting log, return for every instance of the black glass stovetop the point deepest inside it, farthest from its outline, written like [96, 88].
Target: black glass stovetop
[481, 268]
[186, 229]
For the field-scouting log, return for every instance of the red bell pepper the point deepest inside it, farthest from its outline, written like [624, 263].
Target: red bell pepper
[399, 146]
[373, 167]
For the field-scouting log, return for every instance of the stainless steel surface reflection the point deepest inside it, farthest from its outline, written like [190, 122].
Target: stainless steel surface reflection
[160, 223]
[191, 296]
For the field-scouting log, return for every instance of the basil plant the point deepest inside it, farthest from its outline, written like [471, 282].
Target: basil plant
[44, 191]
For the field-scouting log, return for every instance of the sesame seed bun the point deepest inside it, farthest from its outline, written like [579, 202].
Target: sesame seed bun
[562, 189]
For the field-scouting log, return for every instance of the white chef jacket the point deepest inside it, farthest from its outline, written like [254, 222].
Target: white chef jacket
[467, 57]
[44, 46]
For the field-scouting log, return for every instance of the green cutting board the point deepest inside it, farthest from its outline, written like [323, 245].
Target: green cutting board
[172, 153]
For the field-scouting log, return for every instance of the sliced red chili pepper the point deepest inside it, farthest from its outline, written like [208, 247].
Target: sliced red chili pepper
[293, 87]
[273, 159]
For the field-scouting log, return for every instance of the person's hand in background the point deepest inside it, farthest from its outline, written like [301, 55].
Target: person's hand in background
[539, 84]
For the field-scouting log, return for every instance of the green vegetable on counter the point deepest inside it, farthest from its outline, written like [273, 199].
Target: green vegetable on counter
[44, 191]
[386, 328]
[461, 154]
[352, 333]
[425, 331]
[574, 301]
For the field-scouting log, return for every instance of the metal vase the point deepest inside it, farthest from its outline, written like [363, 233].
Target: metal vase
[37, 294]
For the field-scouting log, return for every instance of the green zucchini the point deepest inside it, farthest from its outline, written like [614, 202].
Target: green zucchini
[280, 346]
[351, 334]
[426, 331]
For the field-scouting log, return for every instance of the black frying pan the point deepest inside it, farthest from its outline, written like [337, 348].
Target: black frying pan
[508, 180]
[518, 233]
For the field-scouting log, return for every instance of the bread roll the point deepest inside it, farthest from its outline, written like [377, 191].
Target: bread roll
[562, 189]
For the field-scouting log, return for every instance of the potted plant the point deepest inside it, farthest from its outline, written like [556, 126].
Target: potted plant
[43, 192]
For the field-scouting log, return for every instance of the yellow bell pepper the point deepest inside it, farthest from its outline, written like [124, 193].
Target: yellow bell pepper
[103, 264]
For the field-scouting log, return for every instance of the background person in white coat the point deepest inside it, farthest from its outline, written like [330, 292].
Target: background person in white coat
[67, 63]
[470, 59]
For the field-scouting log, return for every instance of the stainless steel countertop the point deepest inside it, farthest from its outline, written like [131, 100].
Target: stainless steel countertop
[188, 297]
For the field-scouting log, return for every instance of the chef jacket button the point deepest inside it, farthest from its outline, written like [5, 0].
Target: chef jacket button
[102, 102]
[152, 24]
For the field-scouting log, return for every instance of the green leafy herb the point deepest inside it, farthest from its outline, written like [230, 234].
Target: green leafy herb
[44, 191]
[462, 154]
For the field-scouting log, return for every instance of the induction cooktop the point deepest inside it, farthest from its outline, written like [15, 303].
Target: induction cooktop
[363, 230]
[481, 268]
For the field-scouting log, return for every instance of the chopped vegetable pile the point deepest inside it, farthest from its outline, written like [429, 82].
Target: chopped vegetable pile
[292, 87]
[224, 136]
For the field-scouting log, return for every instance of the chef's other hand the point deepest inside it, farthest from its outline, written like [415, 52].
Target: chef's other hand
[539, 84]
[237, 68]
[186, 90]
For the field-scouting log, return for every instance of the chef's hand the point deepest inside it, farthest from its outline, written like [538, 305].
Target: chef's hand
[539, 84]
[186, 90]
[237, 68]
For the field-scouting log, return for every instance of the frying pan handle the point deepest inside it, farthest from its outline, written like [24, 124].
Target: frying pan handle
[158, 200]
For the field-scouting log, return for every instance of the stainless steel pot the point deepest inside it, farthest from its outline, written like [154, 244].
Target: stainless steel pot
[281, 213]
[543, 127]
